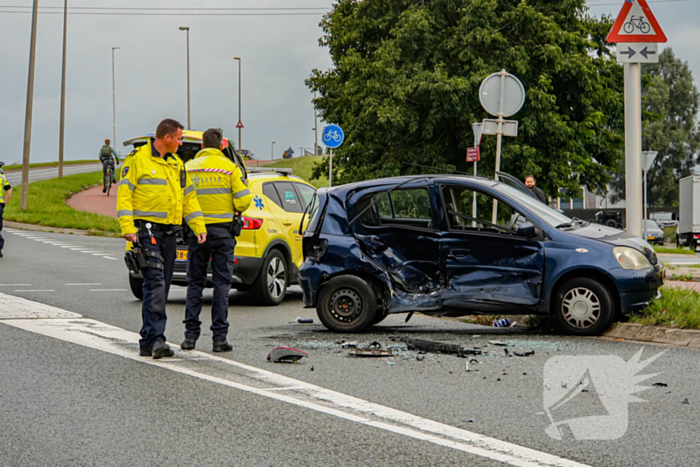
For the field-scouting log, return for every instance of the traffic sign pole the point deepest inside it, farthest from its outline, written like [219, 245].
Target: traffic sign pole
[633, 147]
[330, 169]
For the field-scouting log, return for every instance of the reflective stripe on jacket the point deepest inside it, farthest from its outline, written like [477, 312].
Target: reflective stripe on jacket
[221, 188]
[150, 189]
[4, 186]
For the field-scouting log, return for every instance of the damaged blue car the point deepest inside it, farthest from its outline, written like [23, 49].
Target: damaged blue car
[448, 245]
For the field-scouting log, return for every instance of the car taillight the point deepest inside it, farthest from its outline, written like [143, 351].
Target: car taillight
[251, 223]
[696, 236]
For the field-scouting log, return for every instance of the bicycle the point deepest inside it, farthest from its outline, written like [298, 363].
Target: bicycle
[638, 23]
[332, 134]
[110, 175]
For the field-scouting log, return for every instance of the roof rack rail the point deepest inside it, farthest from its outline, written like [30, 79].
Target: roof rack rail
[280, 170]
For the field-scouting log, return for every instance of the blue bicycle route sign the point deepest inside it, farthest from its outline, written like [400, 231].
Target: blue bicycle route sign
[333, 136]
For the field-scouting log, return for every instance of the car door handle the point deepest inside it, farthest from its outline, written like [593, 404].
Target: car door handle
[287, 222]
[423, 237]
[458, 253]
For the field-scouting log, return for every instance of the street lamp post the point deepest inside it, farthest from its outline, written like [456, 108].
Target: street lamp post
[63, 93]
[28, 112]
[239, 103]
[114, 100]
[189, 113]
[315, 127]
[272, 151]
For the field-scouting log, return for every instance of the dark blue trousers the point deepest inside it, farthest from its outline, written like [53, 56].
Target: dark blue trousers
[156, 285]
[2, 212]
[219, 247]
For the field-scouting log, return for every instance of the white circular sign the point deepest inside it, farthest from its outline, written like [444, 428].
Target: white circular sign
[502, 86]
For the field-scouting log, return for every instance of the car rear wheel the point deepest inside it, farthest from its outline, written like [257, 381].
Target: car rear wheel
[583, 307]
[346, 304]
[271, 285]
[611, 223]
[136, 286]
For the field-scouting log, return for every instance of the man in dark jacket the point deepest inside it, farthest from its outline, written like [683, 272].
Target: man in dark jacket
[530, 183]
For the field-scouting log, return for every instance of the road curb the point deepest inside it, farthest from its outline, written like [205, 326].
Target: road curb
[655, 334]
[44, 228]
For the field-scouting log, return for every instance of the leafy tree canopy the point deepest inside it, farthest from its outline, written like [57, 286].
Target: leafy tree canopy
[406, 76]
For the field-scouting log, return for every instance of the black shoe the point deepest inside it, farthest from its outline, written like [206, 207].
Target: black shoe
[188, 344]
[222, 347]
[160, 349]
[104, 190]
[144, 352]
[0, 253]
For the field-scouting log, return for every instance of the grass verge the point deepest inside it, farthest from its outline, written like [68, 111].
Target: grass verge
[8, 168]
[678, 308]
[303, 167]
[47, 205]
[677, 251]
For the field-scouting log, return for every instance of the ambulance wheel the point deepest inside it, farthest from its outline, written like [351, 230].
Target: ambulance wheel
[136, 286]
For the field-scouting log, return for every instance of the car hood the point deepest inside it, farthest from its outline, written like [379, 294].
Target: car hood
[609, 235]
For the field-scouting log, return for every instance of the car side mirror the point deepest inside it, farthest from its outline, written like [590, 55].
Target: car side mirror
[527, 230]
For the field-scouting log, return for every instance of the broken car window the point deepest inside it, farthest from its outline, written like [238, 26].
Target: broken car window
[459, 203]
[401, 207]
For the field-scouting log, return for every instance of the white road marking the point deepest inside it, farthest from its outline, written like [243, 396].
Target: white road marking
[109, 257]
[90, 251]
[116, 341]
[107, 290]
[86, 283]
[34, 290]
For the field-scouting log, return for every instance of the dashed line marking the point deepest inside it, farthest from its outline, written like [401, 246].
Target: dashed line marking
[34, 290]
[86, 283]
[107, 290]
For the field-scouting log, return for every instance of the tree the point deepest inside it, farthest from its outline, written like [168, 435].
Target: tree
[406, 76]
[673, 101]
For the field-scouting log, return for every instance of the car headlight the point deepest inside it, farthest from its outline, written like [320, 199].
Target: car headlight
[629, 258]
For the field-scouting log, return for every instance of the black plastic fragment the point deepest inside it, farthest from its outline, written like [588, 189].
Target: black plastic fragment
[432, 346]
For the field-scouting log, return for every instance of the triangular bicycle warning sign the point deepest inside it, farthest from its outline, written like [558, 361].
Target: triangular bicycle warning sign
[636, 23]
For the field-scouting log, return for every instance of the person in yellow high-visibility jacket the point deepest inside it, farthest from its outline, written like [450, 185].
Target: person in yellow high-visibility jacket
[155, 195]
[222, 191]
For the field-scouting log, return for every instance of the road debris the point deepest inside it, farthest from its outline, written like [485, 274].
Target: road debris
[660, 385]
[527, 353]
[469, 361]
[420, 358]
[441, 347]
[374, 352]
[301, 320]
[498, 343]
[285, 355]
[348, 345]
[685, 402]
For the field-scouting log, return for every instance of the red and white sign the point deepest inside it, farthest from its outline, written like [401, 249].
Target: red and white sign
[636, 23]
[473, 155]
[239, 124]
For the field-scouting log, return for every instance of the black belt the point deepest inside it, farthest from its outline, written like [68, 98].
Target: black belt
[168, 229]
[221, 225]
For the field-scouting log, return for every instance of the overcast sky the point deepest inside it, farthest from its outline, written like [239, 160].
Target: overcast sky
[278, 54]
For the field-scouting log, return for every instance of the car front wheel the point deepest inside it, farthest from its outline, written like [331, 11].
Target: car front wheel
[346, 304]
[271, 285]
[583, 307]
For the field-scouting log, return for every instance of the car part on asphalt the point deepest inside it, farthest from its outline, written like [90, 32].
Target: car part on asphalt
[469, 361]
[374, 352]
[286, 355]
[432, 346]
[302, 320]
[527, 353]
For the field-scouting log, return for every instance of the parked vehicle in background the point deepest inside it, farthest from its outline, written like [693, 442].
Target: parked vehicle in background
[689, 212]
[414, 243]
[610, 218]
[246, 154]
[655, 235]
[664, 218]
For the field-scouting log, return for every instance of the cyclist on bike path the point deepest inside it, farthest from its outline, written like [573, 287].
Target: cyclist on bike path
[155, 196]
[107, 156]
[221, 191]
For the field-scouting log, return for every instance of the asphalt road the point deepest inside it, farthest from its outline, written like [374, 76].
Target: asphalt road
[15, 178]
[67, 401]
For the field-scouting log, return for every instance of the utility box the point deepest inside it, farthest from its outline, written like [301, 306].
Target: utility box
[689, 212]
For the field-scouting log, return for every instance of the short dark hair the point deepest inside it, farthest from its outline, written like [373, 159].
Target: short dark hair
[212, 138]
[168, 127]
[530, 176]
[107, 141]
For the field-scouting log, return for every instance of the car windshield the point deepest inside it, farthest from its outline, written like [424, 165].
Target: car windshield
[549, 215]
[662, 216]
[651, 224]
